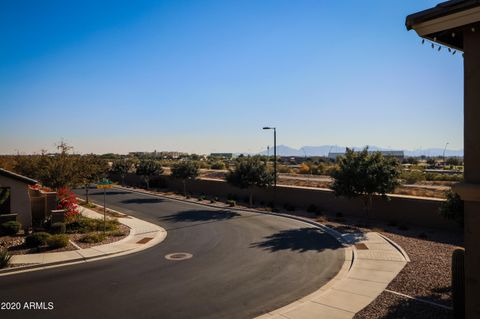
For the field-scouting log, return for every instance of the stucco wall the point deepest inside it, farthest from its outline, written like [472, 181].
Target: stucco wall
[402, 209]
[19, 200]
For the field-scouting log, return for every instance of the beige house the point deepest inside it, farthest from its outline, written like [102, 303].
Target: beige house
[19, 199]
[30, 206]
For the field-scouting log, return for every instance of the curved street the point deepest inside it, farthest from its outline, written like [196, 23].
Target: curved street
[243, 265]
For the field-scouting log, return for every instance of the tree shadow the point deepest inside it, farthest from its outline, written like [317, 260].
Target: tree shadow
[117, 193]
[142, 201]
[97, 191]
[200, 216]
[301, 240]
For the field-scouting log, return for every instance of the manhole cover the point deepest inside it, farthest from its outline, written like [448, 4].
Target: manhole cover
[178, 256]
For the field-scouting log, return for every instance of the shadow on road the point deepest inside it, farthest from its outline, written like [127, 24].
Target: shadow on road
[100, 192]
[200, 216]
[301, 240]
[142, 200]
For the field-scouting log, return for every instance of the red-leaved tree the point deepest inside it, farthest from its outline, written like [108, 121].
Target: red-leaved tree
[66, 199]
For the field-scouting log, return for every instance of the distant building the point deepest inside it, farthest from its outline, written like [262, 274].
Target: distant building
[155, 154]
[222, 155]
[397, 154]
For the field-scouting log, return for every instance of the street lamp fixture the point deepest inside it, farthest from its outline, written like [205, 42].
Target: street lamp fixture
[274, 154]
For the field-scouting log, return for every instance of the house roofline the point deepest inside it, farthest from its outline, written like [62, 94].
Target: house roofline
[18, 177]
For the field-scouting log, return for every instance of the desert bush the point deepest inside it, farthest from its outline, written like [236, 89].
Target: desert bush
[116, 233]
[10, 228]
[412, 176]
[58, 228]
[57, 241]
[304, 169]
[284, 169]
[218, 165]
[37, 239]
[92, 238]
[444, 177]
[453, 208]
[231, 203]
[82, 224]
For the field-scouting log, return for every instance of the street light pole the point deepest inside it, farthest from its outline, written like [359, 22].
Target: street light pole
[444, 153]
[274, 154]
[275, 158]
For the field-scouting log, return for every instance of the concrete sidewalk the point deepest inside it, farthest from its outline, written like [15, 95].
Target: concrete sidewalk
[142, 236]
[374, 263]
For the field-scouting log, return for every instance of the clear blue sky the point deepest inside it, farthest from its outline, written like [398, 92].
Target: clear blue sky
[205, 76]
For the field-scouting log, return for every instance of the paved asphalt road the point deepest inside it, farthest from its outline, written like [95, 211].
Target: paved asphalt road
[243, 265]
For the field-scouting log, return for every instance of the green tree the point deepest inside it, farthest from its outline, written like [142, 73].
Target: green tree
[454, 161]
[122, 167]
[363, 174]
[148, 168]
[185, 170]
[452, 208]
[28, 165]
[91, 169]
[59, 170]
[250, 172]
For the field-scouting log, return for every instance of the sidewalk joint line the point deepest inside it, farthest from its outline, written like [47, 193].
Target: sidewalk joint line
[75, 245]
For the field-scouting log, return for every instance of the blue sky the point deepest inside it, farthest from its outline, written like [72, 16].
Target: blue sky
[205, 76]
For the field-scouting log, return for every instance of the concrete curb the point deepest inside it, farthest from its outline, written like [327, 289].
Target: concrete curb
[365, 274]
[139, 229]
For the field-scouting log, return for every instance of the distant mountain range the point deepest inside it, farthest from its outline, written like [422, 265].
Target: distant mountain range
[323, 150]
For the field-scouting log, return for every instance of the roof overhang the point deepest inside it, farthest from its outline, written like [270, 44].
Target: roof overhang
[446, 22]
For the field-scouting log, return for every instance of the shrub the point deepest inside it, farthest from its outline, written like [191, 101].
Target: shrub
[36, 239]
[218, 165]
[304, 169]
[412, 176]
[201, 198]
[452, 208]
[93, 238]
[10, 228]
[283, 169]
[83, 224]
[444, 177]
[4, 258]
[116, 233]
[58, 228]
[57, 241]
[231, 203]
